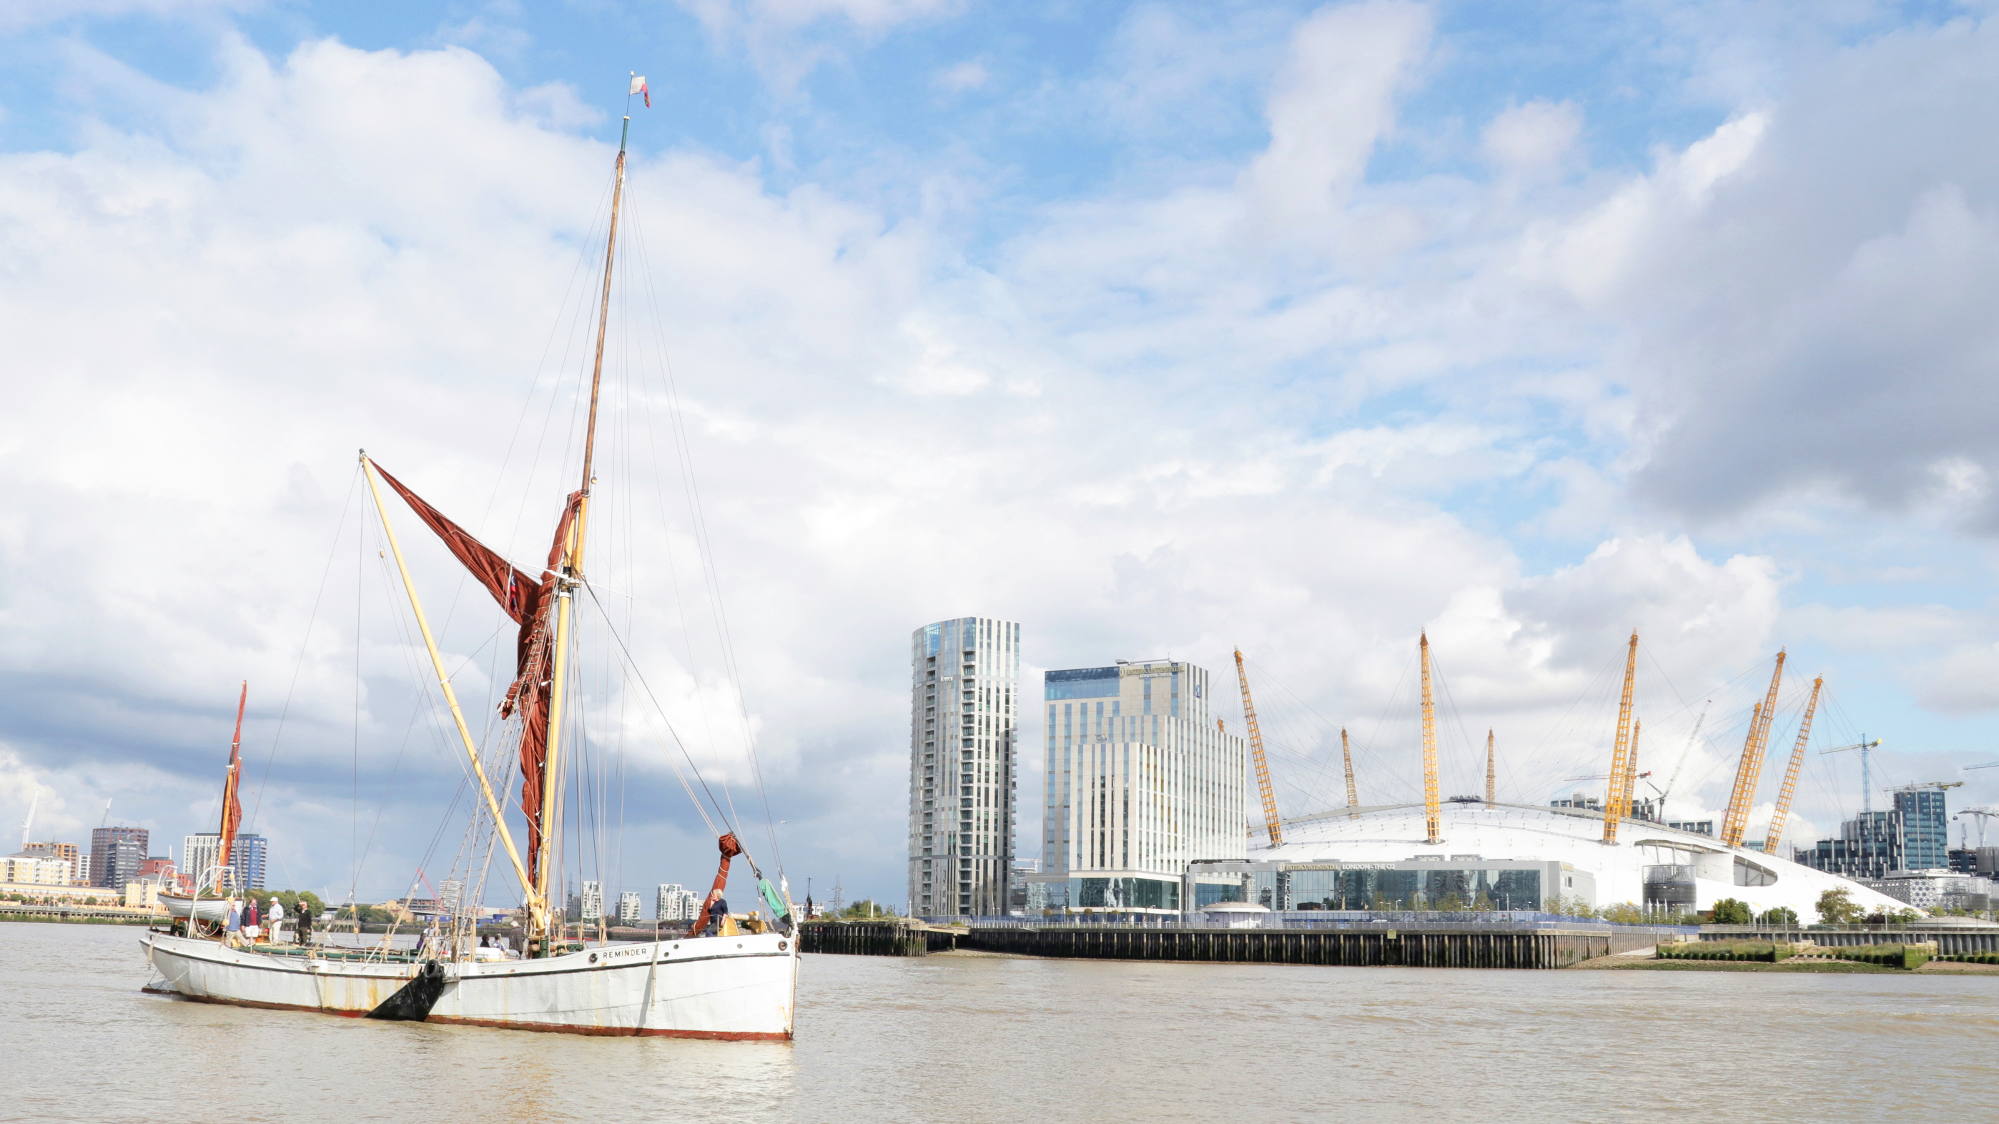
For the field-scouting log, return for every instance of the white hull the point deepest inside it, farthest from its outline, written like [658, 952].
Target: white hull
[734, 987]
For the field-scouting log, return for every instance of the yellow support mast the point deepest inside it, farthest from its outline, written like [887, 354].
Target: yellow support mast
[1346, 755]
[1263, 788]
[1491, 775]
[1790, 788]
[1736, 821]
[1432, 808]
[1620, 750]
[1630, 772]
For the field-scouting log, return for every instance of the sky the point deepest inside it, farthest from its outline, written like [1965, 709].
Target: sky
[1161, 329]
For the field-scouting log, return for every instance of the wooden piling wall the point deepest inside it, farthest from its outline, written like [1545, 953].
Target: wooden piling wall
[1415, 948]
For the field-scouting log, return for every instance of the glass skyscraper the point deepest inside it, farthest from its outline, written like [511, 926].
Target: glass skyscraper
[963, 683]
[1925, 827]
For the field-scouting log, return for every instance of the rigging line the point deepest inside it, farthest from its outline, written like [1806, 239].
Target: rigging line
[632, 664]
[312, 618]
[360, 585]
[714, 580]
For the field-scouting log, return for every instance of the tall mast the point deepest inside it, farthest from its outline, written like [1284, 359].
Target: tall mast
[1346, 755]
[1491, 772]
[572, 565]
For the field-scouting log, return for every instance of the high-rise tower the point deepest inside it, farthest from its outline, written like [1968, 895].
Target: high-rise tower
[964, 679]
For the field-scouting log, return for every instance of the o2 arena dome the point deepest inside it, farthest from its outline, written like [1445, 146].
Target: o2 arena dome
[1512, 856]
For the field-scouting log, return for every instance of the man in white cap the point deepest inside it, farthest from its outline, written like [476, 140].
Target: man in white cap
[275, 917]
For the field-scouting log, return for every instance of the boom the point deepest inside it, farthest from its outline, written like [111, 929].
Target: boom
[1790, 788]
[1263, 789]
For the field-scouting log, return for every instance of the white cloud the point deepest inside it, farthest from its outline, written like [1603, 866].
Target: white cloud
[20, 14]
[1532, 138]
[957, 78]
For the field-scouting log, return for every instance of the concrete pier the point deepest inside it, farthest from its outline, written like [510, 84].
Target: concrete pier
[898, 936]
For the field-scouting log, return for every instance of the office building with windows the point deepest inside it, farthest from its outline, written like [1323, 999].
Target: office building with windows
[1140, 783]
[78, 860]
[1868, 846]
[245, 870]
[630, 911]
[964, 679]
[1925, 826]
[115, 855]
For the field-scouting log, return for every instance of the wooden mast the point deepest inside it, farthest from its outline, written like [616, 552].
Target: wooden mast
[572, 568]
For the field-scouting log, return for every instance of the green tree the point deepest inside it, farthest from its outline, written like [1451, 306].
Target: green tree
[1779, 916]
[1836, 907]
[1903, 917]
[1624, 913]
[1729, 911]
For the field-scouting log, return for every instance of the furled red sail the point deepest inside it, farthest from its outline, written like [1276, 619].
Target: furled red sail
[232, 798]
[526, 601]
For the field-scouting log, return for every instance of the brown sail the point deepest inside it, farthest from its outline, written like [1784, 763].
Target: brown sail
[232, 797]
[526, 601]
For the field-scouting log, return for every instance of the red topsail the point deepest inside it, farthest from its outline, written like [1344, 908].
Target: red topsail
[232, 799]
[526, 601]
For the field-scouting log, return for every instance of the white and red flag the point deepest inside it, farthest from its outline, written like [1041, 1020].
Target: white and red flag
[639, 87]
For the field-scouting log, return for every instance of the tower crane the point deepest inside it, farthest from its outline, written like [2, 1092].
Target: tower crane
[1981, 815]
[1866, 775]
[1790, 789]
[1263, 788]
[1751, 767]
[1673, 781]
[1986, 765]
[28, 825]
[1620, 753]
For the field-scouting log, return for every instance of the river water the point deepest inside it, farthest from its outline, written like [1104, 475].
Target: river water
[967, 1038]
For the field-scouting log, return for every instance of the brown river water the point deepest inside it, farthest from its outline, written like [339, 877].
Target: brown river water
[969, 1038]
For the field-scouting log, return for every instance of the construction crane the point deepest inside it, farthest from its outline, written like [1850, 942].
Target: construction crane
[1981, 815]
[1346, 754]
[1491, 778]
[1790, 789]
[1432, 809]
[1987, 765]
[1620, 752]
[1866, 782]
[1693, 739]
[1256, 755]
[1751, 767]
[28, 825]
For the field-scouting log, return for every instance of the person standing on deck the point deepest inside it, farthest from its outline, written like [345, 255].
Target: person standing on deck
[277, 916]
[304, 930]
[233, 930]
[251, 929]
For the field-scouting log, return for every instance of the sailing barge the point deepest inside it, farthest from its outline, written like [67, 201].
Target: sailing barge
[718, 982]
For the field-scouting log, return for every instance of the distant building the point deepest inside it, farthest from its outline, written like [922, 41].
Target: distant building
[964, 682]
[1936, 889]
[246, 855]
[451, 896]
[75, 856]
[592, 903]
[1140, 782]
[35, 870]
[1578, 800]
[115, 855]
[1694, 827]
[1869, 846]
[245, 869]
[1925, 826]
[629, 911]
[676, 903]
